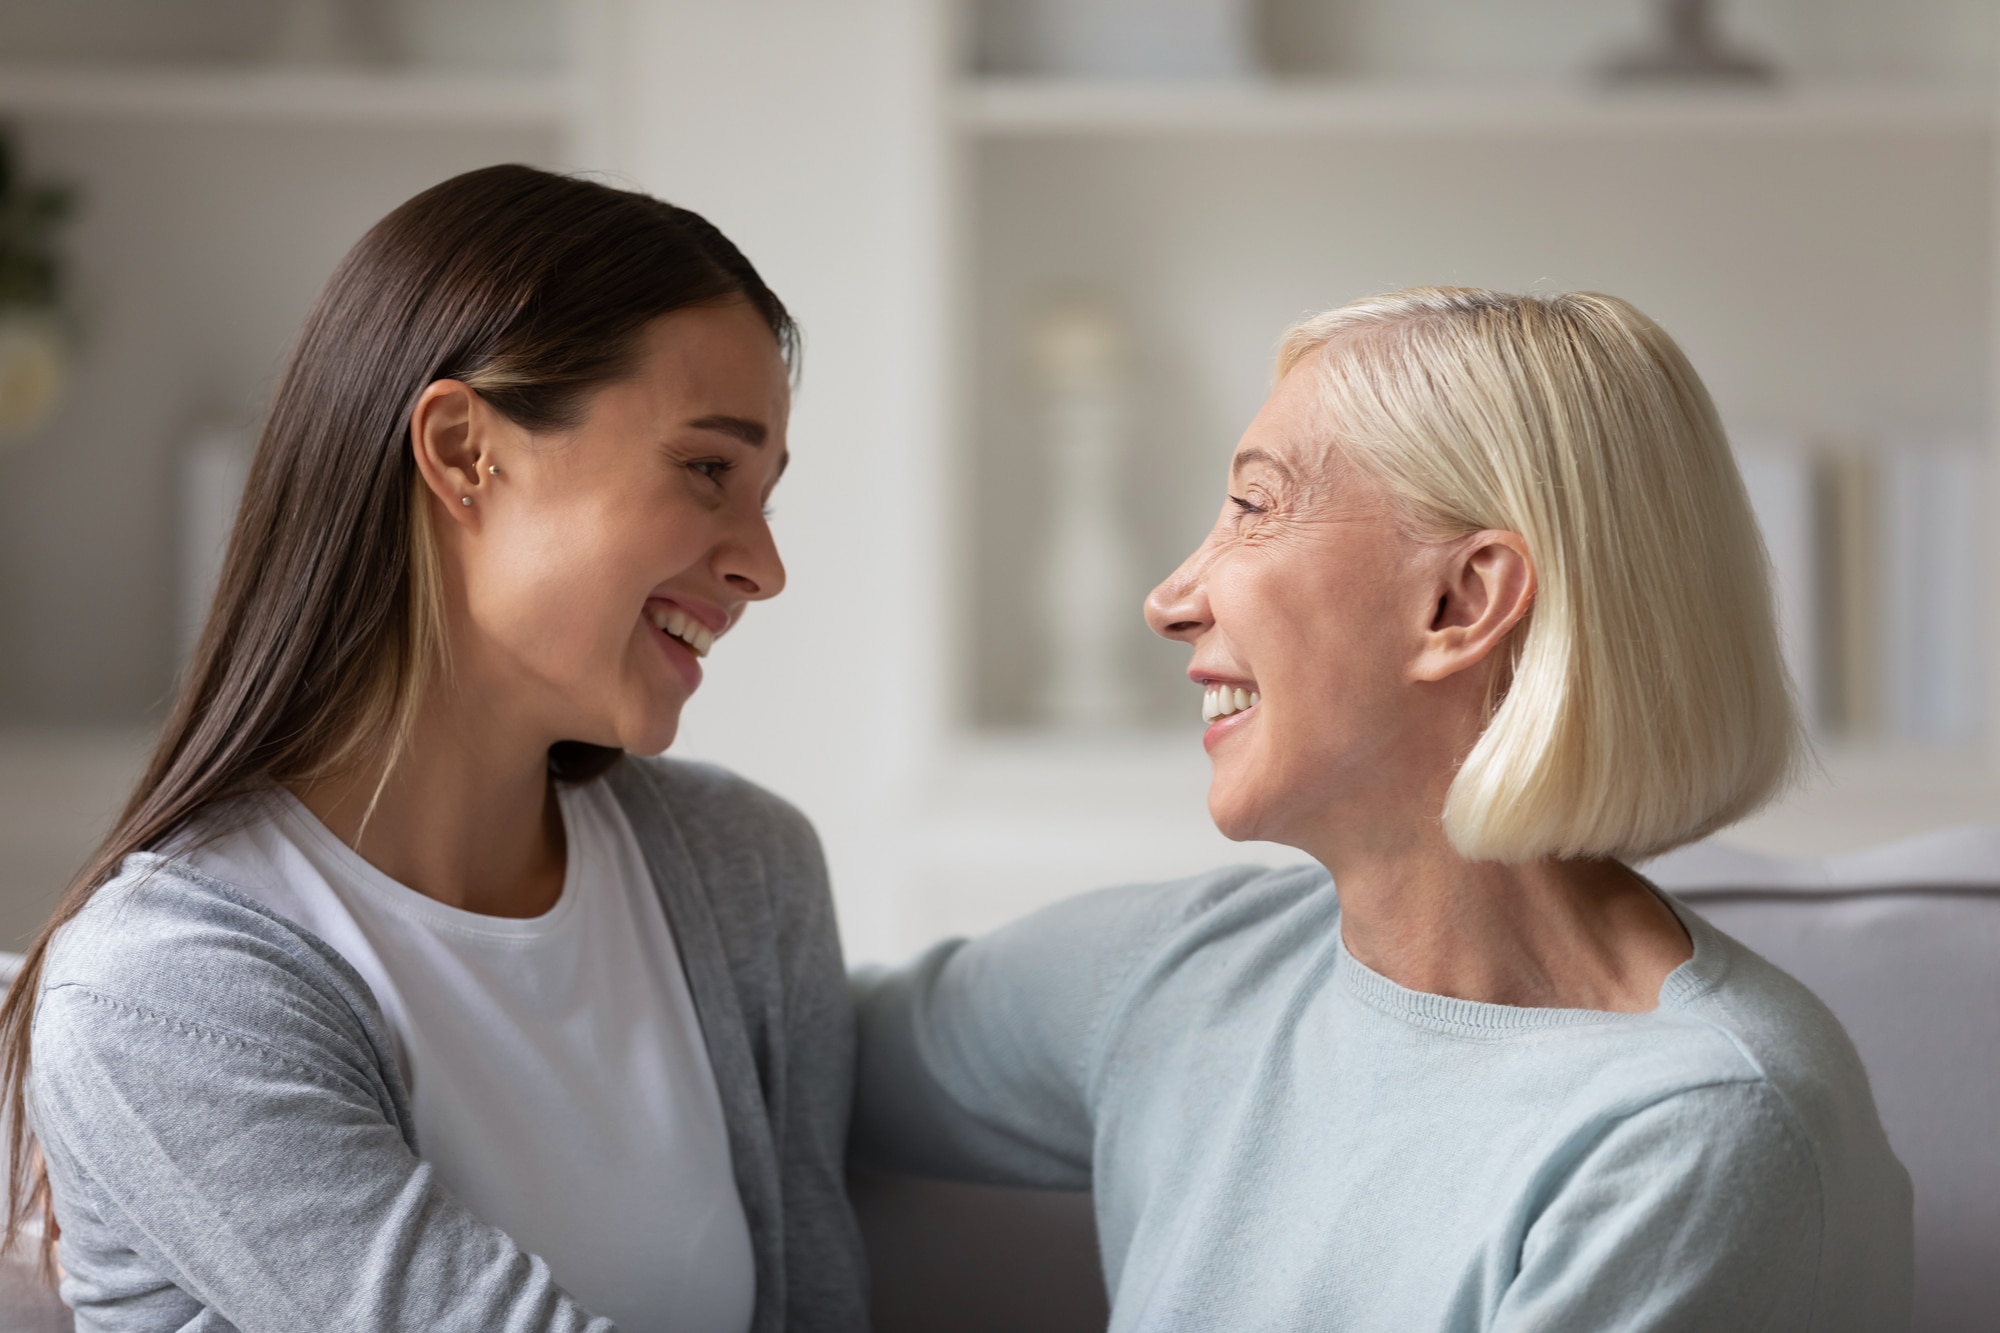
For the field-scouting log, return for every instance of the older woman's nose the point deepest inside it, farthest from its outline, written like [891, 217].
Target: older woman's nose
[1178, 608]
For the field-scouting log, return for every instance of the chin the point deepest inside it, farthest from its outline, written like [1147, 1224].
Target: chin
[1236, 814]
[651, 735]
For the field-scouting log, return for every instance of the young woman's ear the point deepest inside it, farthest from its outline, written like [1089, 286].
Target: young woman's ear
[448, 429]
[1485, 587]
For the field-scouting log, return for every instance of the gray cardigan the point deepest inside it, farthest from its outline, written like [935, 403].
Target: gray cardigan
[231, 1143]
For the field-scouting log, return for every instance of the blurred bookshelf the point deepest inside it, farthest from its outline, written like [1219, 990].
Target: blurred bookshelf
[224, 158]
[1822, 246]
[217, 190]
[1824, 249]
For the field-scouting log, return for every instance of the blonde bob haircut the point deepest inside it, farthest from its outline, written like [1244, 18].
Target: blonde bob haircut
[1646, 703]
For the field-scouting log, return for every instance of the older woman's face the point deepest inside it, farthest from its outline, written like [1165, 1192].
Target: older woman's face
[1308, 600]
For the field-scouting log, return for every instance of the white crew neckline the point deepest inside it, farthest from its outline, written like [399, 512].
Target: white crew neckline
[300, 823]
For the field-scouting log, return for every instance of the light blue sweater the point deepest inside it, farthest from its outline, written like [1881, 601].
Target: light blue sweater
[1282, 1139]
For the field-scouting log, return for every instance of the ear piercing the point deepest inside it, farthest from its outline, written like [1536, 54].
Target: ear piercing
[466, 500]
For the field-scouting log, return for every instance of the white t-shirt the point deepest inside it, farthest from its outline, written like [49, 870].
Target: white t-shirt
[560, 1083]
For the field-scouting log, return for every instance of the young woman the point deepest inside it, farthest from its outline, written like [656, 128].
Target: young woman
[1484, 620]
[400, 997]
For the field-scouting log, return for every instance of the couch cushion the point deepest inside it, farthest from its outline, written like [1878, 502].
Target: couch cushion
[1902, 942]
[975, 1259]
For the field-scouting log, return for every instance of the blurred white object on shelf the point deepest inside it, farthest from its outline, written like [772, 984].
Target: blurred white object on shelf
[213, 470]
[1088, 580]
[1778, 474]
[1876, 553]
[1120, 38]
[33, 368]
[1933, 558]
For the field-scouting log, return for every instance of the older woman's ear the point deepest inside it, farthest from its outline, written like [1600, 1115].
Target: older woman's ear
[1485, 586]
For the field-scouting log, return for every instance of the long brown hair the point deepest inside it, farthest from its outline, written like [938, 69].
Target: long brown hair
[528, 286]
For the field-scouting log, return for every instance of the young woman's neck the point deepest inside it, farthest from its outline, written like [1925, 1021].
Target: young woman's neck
[468, 815]
[1549, 934]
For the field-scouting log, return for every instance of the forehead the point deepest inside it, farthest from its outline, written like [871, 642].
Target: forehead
[724, 355]
[1290, 434]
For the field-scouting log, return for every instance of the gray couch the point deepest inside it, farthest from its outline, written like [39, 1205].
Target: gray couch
[1903, 942]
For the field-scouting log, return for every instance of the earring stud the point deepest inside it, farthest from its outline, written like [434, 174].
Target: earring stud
[493, 469]
[465, 499]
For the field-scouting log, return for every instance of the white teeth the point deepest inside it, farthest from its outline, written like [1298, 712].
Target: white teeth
[680, 625]
[1223, 700]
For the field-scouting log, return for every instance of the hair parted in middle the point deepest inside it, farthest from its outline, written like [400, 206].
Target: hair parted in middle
[1646, 703]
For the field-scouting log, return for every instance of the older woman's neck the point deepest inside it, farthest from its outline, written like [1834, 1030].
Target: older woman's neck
[1550, 934]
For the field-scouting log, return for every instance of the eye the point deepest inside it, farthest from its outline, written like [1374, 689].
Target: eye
[712, 468]
[1244, 506]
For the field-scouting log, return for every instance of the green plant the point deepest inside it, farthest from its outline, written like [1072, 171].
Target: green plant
[31, 215]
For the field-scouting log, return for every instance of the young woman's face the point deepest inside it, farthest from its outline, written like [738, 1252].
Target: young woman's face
[1310, 598]
[599, 564]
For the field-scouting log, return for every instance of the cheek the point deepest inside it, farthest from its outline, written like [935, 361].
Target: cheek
[1326, 655]
[1296, 633]
[566, 583]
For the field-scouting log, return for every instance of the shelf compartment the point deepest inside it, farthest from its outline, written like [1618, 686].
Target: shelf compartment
[1034, 108]
[357, 97]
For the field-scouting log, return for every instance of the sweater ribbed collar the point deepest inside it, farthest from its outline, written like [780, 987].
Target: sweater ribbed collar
[1474, 1018]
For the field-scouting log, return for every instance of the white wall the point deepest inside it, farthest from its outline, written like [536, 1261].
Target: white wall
[811, 133]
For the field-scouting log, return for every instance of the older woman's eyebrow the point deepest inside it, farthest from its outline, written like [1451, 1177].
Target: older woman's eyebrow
[1245, 457]
[752, 433]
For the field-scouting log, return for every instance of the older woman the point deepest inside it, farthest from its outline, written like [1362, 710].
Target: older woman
[1484, 622]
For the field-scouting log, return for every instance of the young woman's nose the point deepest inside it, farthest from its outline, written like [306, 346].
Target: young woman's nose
[1178, 608]
[749, 562]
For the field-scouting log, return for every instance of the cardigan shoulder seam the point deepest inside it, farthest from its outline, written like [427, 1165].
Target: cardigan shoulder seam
[182, 1026]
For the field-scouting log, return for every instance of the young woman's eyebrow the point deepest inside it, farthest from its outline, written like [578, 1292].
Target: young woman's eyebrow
[752, 433]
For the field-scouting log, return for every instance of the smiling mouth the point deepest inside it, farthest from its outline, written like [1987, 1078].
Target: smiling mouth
[1226, 700]
[678, 624]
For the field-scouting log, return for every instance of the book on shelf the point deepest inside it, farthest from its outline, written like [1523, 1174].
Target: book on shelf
[1876, 553]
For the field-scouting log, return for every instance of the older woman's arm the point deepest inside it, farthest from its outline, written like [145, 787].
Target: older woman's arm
[1704, 1210]
[976, 1061]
